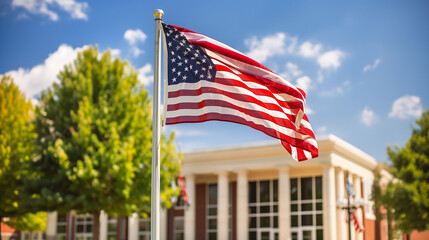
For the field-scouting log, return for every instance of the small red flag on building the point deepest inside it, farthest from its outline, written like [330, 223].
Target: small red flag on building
[208, 80]
[357, 224]
[184, 193]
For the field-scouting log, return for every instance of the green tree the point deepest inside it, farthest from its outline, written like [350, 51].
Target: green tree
[95, 135]
[409, 197]
[30, 222]
[16, 145]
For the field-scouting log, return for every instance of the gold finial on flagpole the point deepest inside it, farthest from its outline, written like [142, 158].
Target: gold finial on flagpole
[158, 13]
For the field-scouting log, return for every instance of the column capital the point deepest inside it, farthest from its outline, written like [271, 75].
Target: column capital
[240, 171]
[189, 175]
[337, 168]
[283, 168]
[222, 173]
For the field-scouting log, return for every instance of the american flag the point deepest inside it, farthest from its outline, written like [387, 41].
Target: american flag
[208, 80]
[356, 223]
[358, 226]
[350, 187]
[183, 191]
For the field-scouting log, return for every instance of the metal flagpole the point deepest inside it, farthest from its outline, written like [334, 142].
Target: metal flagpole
[349, 208]
[156, 130]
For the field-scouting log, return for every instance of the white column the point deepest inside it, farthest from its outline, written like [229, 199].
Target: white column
[222, 206]
[103, 225]
[133, 227]
[163, 224]
[358, 191]
[341, 213]
[190, 210]
[51, 225]
[242, 206]
[39, 235]
[329, 208]
[284, 203]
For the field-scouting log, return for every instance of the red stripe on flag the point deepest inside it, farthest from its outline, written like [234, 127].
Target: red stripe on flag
[254, 113]
[230, 118]
[240, 97]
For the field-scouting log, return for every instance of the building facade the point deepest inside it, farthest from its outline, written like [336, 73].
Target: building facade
[255, 192]
[259, 192]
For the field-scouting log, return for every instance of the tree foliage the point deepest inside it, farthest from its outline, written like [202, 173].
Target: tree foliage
[30, 222]
[95, 135]
[409, 197]
[16, 144]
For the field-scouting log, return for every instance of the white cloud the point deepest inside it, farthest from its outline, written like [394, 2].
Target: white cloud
[269, 46]
[32, 81]
[291, 43]
[145, 74]
[77, 10]
[293, 69]
[308, 110]
[406, 107]
[134, 36]
[22, 16]
[309, 50]
[373, 66]
[339, 90]
[368, 117]
[322, 130]
[330, 59]
[136, 51]
[115, 53]
[304, 83]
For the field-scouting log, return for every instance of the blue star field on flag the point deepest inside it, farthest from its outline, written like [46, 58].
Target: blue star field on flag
[186, 62]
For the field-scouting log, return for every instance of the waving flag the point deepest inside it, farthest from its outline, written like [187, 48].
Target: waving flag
[183, 191]
[208, 80]
[358, 226]
[350, 187]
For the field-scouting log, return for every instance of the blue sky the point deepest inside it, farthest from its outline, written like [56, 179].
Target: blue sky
[363, 64]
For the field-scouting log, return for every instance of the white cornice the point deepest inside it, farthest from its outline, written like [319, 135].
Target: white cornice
[271, 154]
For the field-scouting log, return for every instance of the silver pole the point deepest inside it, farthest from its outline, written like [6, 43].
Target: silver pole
[156, 130]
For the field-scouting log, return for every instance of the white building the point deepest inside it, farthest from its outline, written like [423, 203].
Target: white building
[254, 191]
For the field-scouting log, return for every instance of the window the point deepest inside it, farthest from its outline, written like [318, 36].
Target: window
[112, 225]
[306, 208]
[144, 228]
[211, 211]
[25, 235]
[83, 227]
[36, 235]
[179, 233]
[211, 214]
[61, 227]
[263, 210]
